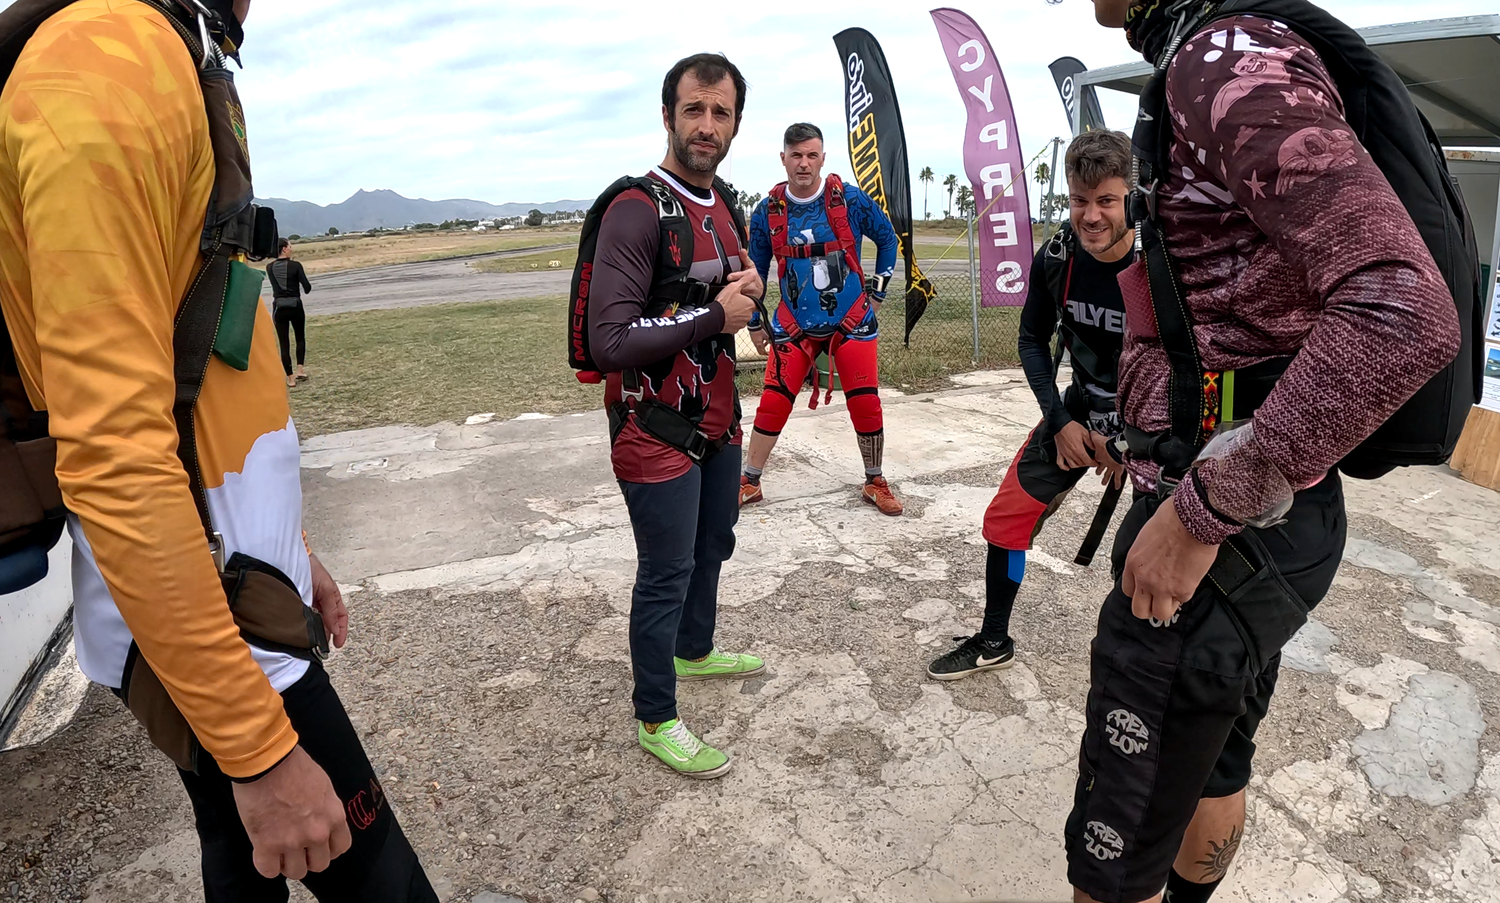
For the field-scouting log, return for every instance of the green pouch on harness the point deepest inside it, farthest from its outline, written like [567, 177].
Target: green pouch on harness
[237, 322]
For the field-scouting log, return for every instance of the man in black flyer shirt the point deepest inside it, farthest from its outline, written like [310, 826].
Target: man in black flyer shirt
[1074, 293]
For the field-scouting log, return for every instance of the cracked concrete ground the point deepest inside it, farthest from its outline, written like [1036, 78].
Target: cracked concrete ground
[488, 570]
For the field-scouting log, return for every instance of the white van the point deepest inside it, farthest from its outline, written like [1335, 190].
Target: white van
[40, 685]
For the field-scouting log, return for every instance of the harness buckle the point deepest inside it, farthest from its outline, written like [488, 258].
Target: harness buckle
[1056, 249]
[631, 388]
[698, 294]
[696, 447]
[216, 547]
[1165, 485]
[213, 55]
[667, 206]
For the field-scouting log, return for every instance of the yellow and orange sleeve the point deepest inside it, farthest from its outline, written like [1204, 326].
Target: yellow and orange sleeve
[105, 174]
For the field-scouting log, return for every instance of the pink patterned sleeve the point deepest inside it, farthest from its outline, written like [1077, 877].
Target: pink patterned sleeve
[1266, 122]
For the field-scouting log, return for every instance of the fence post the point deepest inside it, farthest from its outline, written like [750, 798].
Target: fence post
[973, 284]
[1051, 190]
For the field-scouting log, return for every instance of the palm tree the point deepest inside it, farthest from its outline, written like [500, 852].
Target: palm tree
[950, 183]
[747, 201]
[965, 200]
[1043, 176]
[926, 176]
[1057, 204]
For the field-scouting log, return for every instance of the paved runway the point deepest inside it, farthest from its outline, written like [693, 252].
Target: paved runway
[443, 281]
[430, 282]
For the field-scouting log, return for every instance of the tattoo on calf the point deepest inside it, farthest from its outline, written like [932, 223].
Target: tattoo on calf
[872, 449]
[1216, 866]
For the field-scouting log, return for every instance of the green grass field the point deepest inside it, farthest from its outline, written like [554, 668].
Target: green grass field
[428, 364]
[565, 259]
[346, 252]
[445, 362]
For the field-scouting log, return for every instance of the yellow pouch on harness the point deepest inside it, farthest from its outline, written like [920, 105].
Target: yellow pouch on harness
[237, 322]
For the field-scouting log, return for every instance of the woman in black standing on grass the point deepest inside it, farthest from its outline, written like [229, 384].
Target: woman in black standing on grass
[288, 282]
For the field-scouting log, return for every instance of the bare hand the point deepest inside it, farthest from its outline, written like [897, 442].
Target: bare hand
[1105, 463]
[749, 278]
[329, 603]
[761, 340]
[1073, 449]
[738, 308]
[1165, 566]
[295, 820]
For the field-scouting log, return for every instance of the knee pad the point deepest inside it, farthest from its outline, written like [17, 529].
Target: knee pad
[775, 407]
[865, 409]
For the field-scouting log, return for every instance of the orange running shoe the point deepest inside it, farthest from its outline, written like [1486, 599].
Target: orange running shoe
[878, 493]
[749, 492]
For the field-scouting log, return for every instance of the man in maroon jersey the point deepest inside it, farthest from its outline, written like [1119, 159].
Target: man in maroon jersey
[1307, 280]
[675, 369]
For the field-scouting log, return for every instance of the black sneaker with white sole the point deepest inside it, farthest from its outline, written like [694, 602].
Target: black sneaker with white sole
[973, 655]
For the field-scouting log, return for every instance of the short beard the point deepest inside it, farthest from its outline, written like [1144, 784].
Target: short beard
[693, 161]
[1115, 238]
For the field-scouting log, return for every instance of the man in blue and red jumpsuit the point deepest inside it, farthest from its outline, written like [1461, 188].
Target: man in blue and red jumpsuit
[814, 226]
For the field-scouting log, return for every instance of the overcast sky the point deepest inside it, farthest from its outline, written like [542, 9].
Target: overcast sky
[519, 100]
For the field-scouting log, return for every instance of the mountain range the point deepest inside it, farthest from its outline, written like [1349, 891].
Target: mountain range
[387, 209]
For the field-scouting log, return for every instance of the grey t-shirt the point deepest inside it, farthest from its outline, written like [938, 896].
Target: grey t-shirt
[288, 279]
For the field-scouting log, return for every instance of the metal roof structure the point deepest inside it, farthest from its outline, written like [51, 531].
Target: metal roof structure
[1451, 67]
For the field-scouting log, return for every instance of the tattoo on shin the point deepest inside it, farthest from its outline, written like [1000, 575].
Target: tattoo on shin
[872, 449]
[1216, 866]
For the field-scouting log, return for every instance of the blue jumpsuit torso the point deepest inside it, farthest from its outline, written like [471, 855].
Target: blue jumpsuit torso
[820, 291]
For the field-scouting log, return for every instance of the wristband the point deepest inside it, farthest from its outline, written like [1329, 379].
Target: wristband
[1208, 504]
[1233, 450]
[253, 778]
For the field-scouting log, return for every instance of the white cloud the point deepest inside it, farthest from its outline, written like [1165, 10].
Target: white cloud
[533, 101]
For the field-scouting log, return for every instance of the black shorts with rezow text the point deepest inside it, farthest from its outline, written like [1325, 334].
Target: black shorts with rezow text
[1173, 708]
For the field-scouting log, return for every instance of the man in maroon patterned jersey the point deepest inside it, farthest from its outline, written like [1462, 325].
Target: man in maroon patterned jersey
[677, 367]
[1301, 265]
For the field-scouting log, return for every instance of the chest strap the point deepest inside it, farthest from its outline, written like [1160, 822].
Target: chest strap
[1225, 396]
[663, 422]
[837, 210]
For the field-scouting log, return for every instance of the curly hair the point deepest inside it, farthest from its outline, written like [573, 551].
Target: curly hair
[1097, 155]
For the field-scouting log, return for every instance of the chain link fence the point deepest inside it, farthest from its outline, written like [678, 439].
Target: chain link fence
[953, 336]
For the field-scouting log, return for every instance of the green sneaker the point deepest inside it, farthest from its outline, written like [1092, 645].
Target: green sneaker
[720, 666]
[682, 752]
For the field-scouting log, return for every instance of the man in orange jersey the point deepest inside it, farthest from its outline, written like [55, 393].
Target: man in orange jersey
[106, 171]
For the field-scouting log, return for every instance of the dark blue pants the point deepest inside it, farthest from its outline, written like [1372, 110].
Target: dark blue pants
[684, 532]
